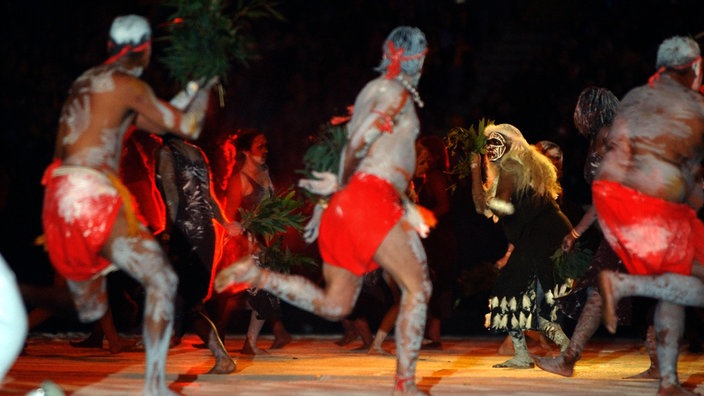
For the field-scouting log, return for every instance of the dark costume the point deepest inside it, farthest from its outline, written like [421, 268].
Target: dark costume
[192, 242]
[536, 230]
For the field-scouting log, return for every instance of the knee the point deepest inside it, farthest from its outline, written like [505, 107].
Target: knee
[164, 281]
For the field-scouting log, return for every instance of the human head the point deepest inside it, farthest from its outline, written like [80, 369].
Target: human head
[595, 109]
[251, 144]
[553, 152]
[679, 54]
[404, 51]
[130, 37]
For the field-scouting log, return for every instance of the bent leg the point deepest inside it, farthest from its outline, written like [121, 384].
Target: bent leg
[401, 254]
[673, 288]
[142, 258]
[587, 324]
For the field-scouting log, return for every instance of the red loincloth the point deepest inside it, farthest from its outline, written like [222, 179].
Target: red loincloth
[80, 207]
[356, 221]
[650, 235]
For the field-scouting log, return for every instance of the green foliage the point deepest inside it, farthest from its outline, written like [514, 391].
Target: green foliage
[324, 154]
[274, 215]
[204, 40]
[572, 264]
[461, 142]
[277, 257]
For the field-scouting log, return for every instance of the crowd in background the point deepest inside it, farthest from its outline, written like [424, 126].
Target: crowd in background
[311, 66]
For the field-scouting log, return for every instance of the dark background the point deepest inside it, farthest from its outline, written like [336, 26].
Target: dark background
[517, 61]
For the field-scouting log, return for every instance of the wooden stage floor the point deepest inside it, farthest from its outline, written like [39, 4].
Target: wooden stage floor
[315, 365]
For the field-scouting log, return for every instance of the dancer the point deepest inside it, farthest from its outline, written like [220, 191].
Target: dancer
[183, 177]
[250, 185]
[89, 220]
[593, 115]
[647, 192]
[521, 192]
[364, 226]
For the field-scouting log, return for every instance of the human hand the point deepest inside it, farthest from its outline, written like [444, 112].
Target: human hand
[569, 240]
[325, 184]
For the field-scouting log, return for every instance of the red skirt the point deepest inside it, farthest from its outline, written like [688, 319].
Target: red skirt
[650, 235]
[356, 221]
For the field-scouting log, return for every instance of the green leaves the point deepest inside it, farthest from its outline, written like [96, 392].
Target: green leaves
[461, 142]
[572, 264]
[204, 40]
[324, 154]
[274, 215]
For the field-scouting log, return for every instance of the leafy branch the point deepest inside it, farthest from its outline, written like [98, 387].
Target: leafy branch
[462, 142]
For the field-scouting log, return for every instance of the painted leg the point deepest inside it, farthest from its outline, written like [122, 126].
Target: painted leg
[410, 326]
[674, 288]
[554, 333]
[521, 357]
[588, 323]
[669, 327]
[205, 328]
[250, 342]
[652, 372]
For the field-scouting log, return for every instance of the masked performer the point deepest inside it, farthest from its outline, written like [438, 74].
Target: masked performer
[89, 220]
[520, 191]
[364, 226]
[647, 192]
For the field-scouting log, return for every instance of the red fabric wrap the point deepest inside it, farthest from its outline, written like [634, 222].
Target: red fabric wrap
[650, 235]
[80, 207]
[356, 221]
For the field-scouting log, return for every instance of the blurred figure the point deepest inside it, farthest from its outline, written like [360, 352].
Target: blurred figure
[90, 223]
[593, 115]
[647, 192]
[363, 226]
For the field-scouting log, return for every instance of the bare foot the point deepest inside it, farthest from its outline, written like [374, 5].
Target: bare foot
[515, 363]
[223, 366]
[121, 345]
[609, 300]
[251, 349]
[674, 390]
[280, 342]
[377, 350]
[556, 365]
[406, 387]
[650, 373]
[244, 271]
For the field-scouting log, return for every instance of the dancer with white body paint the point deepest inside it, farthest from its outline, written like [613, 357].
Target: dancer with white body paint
[647, 192]
[90, 224]
[364, 226]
